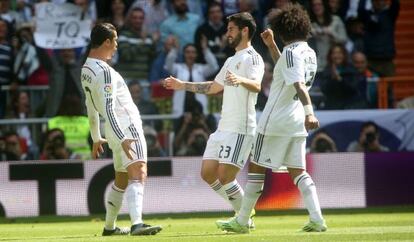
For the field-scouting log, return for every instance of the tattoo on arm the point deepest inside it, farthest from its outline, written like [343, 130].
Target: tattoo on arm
[201, 87]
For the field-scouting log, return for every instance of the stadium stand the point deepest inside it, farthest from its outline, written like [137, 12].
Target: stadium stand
[402, 85]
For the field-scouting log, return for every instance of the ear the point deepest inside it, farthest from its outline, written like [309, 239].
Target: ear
[107, 42]
[245, 31]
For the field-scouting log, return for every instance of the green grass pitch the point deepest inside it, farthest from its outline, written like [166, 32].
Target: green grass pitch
[379, 224]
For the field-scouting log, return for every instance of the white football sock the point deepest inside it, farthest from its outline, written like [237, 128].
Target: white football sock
[234, 194]
[219, 189]
[253, 190]
[308, 190]
[135, 197]
[113, 203]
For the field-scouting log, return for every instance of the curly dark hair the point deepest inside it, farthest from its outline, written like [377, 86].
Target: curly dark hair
[292, 23]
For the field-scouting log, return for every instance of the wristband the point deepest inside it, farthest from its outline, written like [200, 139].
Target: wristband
[308, 109]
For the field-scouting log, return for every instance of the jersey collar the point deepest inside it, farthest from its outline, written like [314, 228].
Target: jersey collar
[244, 50]
[295, 43]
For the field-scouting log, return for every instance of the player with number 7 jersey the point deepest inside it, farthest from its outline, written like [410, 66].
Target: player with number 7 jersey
[107, 95]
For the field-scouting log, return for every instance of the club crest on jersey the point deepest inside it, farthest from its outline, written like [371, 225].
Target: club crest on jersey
[108, 89]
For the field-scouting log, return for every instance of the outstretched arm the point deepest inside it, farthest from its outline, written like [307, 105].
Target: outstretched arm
[208, 87]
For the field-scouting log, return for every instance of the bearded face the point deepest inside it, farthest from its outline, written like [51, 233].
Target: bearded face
[233, 42]
[180, 6]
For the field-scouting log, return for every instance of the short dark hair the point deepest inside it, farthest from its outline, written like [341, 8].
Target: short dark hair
[100, 33]
[292, 23]
[189, 45]
[368, 124]
[244, 19]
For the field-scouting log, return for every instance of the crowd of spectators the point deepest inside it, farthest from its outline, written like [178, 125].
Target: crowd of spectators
[354, 42]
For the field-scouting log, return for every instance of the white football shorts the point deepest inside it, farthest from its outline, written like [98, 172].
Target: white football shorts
[139, 149]
[228, 148]
[276, 151]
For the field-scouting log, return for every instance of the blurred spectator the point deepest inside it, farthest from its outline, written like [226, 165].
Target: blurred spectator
[265, 90]
[195, 143]
[88, 8]
[355, 30]
[229, 6]
[26, 63]
[368, 139]
[186, 126]
[181, 24]
[24, 10]
[10, 16]
[154, 148]
[54, 147]
[339, 81]
[6, 64]
[379, 34]
[327, 29]
[24, 41]
[20, 109]
[322, 143]
[367, 79]
[6, 155]
[136, 49]
[158, 72]
[214, 30]
[193, 72]
[118, 12]
[144, 106]
[339, 8]
[74, 125]
[64, 79]
[17, 147]
[155, 13]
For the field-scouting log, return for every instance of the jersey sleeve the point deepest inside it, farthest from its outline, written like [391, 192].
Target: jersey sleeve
[221, 76]
[294, 70]
[92, 112]
[254, 67]
[105, 90]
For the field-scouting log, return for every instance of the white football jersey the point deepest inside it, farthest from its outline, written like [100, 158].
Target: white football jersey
[107, 95]
[238, 112]
[283, 114]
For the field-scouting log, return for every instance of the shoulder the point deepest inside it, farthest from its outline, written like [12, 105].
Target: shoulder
[254, 57]
[99, 68]
[300, 51]
[193, 17]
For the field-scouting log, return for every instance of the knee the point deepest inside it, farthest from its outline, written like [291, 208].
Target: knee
[295, 173]
[138, 172]
[225, 179]
[208, 176]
